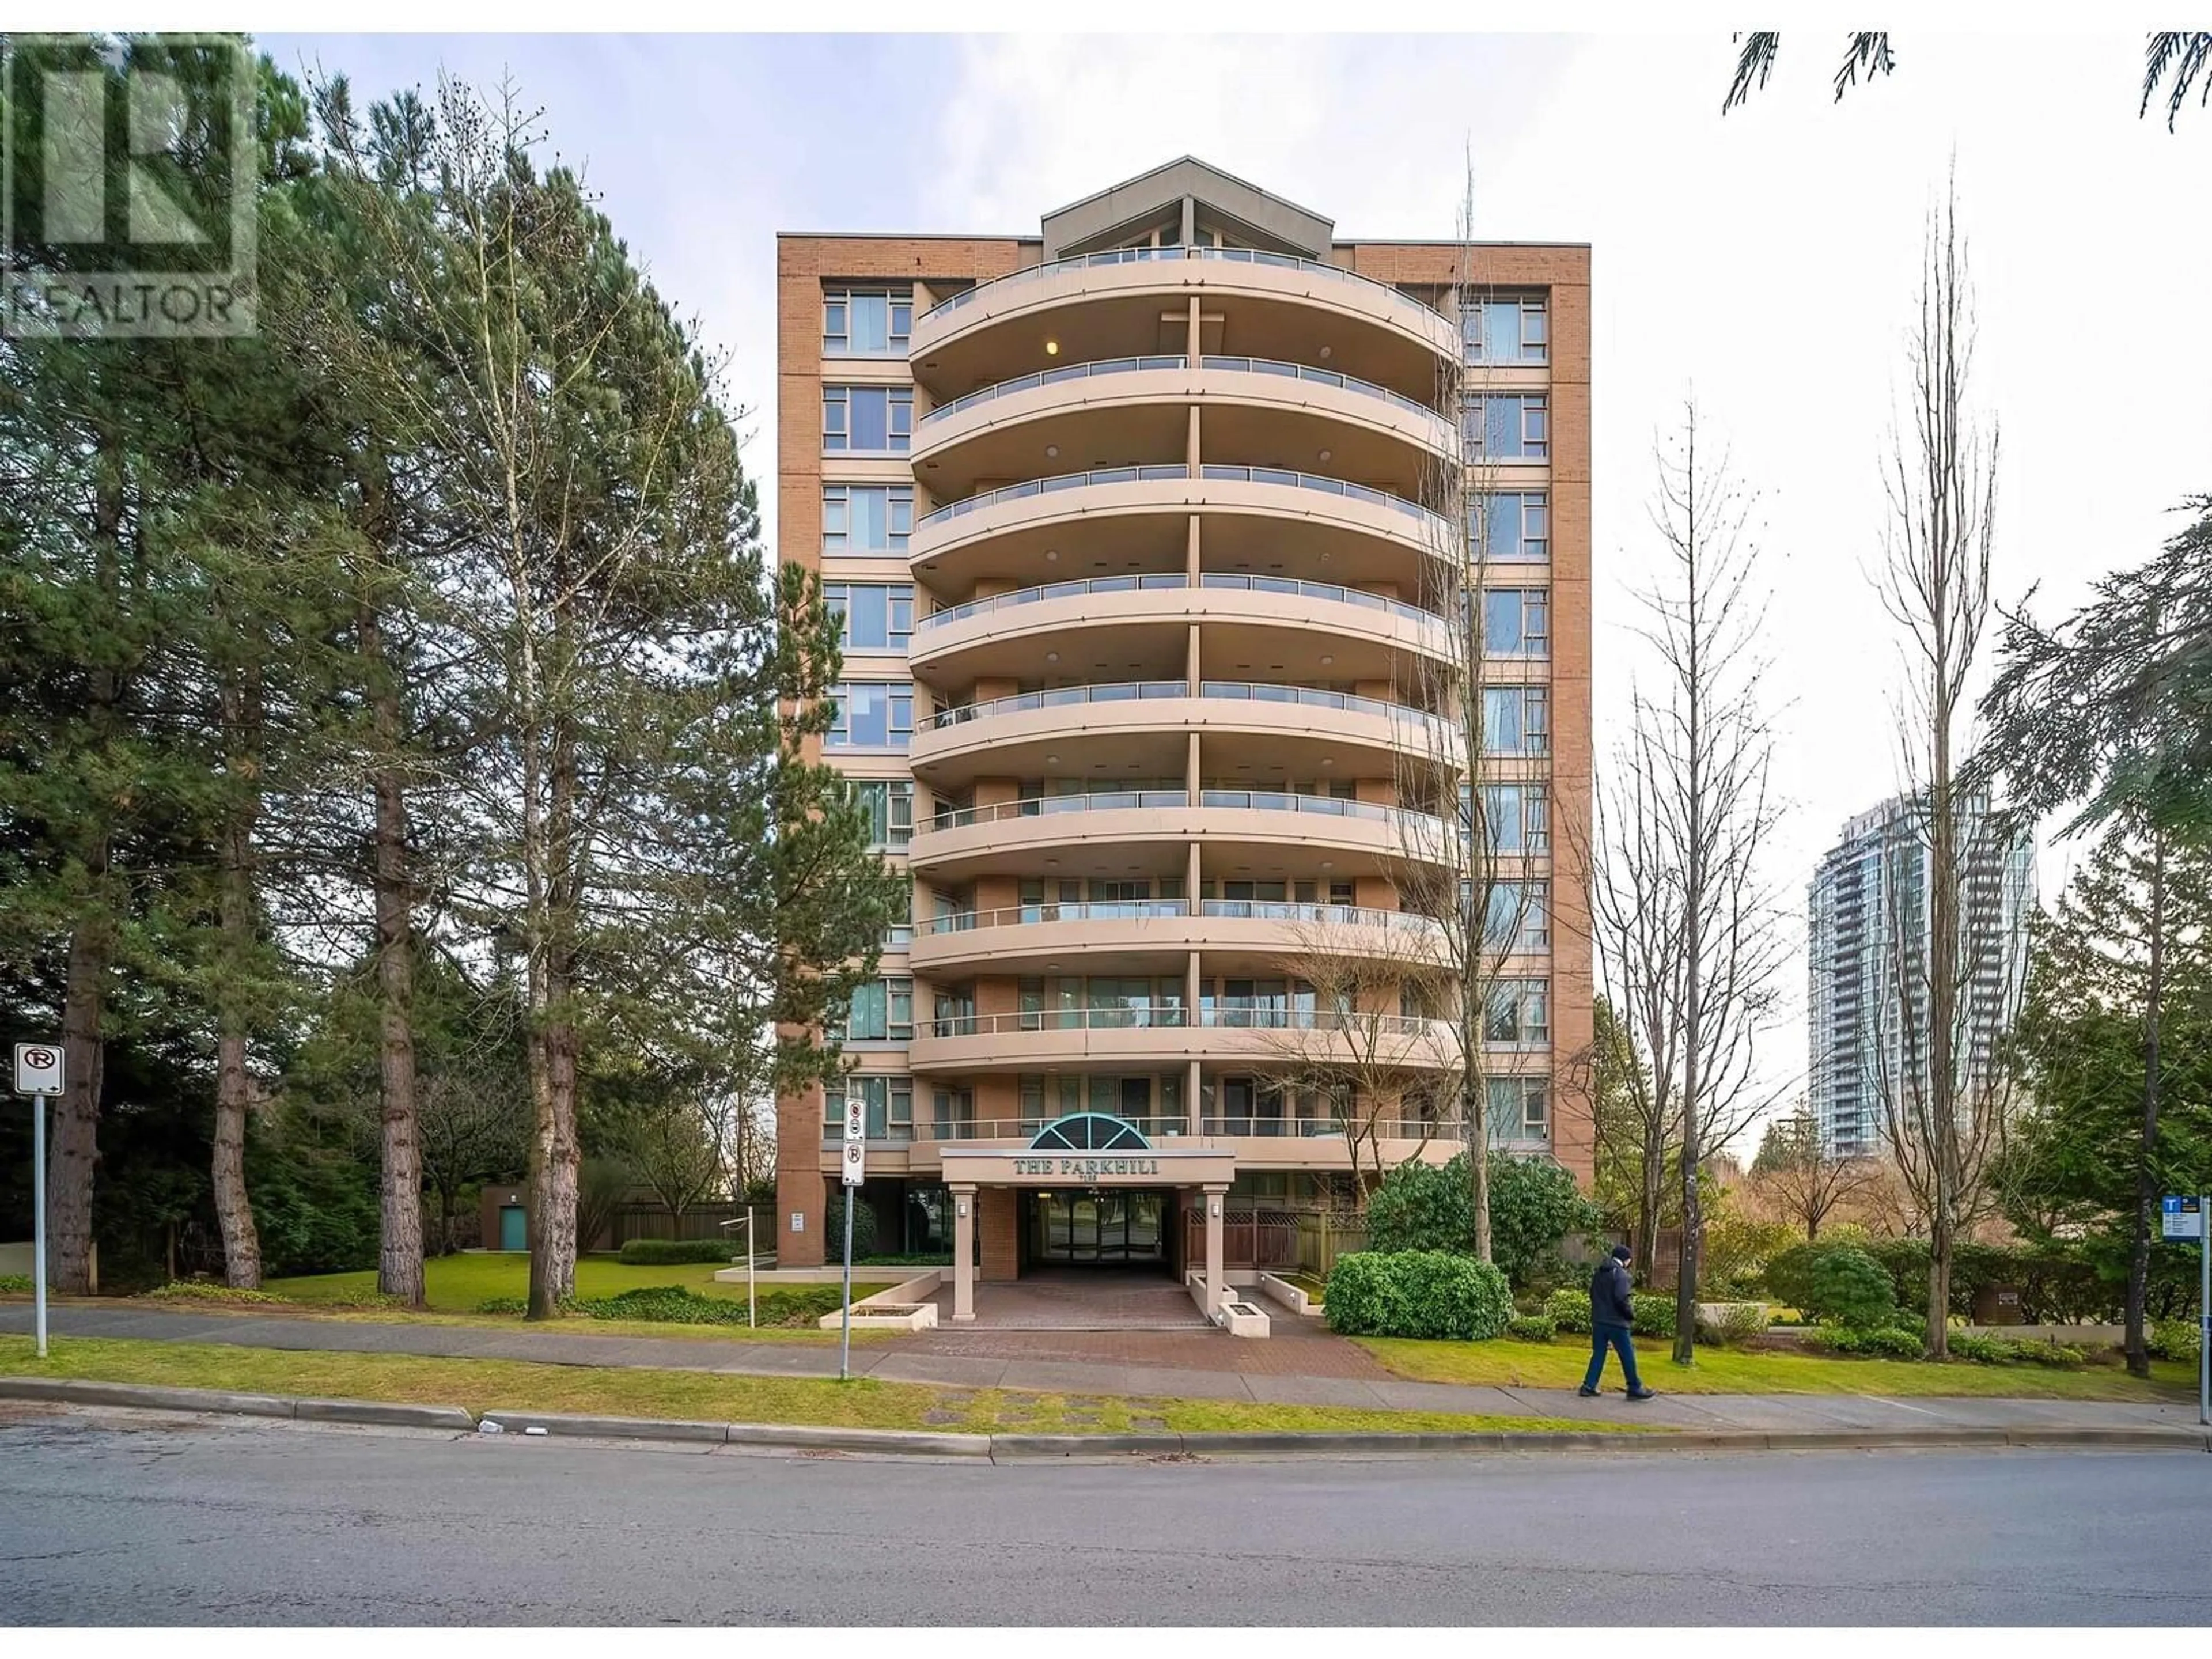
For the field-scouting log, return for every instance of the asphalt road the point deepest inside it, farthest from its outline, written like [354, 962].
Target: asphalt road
[115, 1519]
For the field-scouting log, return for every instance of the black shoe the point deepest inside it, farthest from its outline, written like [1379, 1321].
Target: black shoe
[1587, 1394]
[1643, 1394]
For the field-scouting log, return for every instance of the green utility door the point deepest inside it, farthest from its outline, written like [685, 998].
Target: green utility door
[513, 1227]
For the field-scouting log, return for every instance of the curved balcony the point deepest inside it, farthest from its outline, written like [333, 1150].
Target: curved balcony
[1312, 629]
[1274, 520]
[1110, 303]
[1269, 833]
[1237, 934]
[1143, 724]
[1257, 410]
[1150, 1037]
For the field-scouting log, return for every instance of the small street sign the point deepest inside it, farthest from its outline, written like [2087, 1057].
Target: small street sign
[856, 1140]
[2182, 1216]
[37, 1068]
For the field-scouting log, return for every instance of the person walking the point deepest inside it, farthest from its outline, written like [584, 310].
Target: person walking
[1613, 1320]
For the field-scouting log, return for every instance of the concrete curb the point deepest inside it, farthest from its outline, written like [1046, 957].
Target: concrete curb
[1034, 1448]
[143, 1397]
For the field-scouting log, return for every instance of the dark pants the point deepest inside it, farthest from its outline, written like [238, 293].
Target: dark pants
[1615, 1337]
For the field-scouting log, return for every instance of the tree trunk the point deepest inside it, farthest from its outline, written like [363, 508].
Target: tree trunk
[75, 1147]
[399, 1250]
[1939, 1289]
[234, 1085]
[554, 1155]
[1653, 1203]
[2138, 1351]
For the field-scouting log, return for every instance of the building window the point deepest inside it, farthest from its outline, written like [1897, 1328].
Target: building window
[1518, 1014]
[890, 807]
[1507, 332]
[871, 616]
[882, 1011]
[1510, 526]
[1519, 1108]
[867, 518]
[1518, 917]
[898, 926]
[1511, 429]
[1516, 621]
[1516, 817]
[866, 419]
[1517, 720]
[872, 714]
[859, 322]
[888, 1101]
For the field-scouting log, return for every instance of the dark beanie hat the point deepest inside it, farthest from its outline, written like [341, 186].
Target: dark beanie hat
[1621, 1253]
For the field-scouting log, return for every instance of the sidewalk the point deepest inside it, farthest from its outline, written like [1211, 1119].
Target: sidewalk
[1773, 1413]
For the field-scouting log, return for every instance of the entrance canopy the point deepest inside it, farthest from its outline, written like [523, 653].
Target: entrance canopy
[1090, 1148]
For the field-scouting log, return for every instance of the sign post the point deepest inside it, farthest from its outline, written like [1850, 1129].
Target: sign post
[2190, 1216]
[38, 1074]
[855, 1170]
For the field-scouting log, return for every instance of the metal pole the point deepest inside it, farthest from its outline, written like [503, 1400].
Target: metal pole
[2204, 1309]
[38, 1216]
[845, 1327]
[752, 1265]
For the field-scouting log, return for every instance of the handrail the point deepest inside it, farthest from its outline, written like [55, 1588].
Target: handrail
[1175, 1126]
[1021, 596]
[1322, 376]
[1097, 800]
[1053, 910]
[1053, 377]
[1123, 256]
[1097, 475]
[1061, 696]
[1334, 592]
[1258, 1016]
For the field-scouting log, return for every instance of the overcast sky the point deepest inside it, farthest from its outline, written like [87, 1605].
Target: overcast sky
[1767, 260]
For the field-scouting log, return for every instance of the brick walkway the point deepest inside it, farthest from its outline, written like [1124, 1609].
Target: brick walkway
[1081, 1301]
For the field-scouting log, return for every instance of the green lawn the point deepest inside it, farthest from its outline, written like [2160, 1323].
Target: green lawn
[455, 1284]
[482, 1384]
[1733, 1370]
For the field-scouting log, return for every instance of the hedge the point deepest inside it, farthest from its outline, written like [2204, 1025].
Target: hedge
[1654, 1316]
[668, 1252]
[1430, 1294]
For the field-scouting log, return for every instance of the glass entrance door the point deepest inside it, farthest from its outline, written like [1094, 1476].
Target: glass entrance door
[1098, 1226]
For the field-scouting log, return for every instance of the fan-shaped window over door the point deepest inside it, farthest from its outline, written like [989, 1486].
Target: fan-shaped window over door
[1090, 1132]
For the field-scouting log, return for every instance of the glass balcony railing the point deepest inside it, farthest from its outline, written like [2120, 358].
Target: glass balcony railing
[1434, 526]
[1125, 256]
[1131, 365]
[1051, 377]
[983, 607]
[1421, 830]
[1061, 696]
[1044, 912]
[1329, 591]
[1113, 1017]
[1312, 696]
[1321, 377]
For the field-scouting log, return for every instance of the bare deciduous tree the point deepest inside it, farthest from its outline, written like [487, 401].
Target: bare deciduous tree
[1806, 1182]
[1690, 936]
[1944, 1094]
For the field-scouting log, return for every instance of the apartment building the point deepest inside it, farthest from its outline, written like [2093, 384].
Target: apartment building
[1127, 522]
[1867, 921]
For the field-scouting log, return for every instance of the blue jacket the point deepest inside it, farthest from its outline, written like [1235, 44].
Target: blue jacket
[1609, 1303]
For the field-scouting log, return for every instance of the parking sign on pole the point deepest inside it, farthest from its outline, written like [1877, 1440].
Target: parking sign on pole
[39, 1073]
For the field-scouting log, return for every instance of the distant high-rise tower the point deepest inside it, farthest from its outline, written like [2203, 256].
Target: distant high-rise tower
[1868, 926]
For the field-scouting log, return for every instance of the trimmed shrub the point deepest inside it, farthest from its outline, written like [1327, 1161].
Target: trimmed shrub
[1738, 1323]
[1879, 1344]
[184, 1290]
[15, 1284]
[1570, 1310]
[1430, 1294]
[1846, 1286]
[1651, 1316]
[672, 1252]
[2169, 1339]
[504, 1304]
[1984, 1350]
[833, 1229]
[1534, 1205]
[927, 1259]
[1532, 1327]
[2058, 1354]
